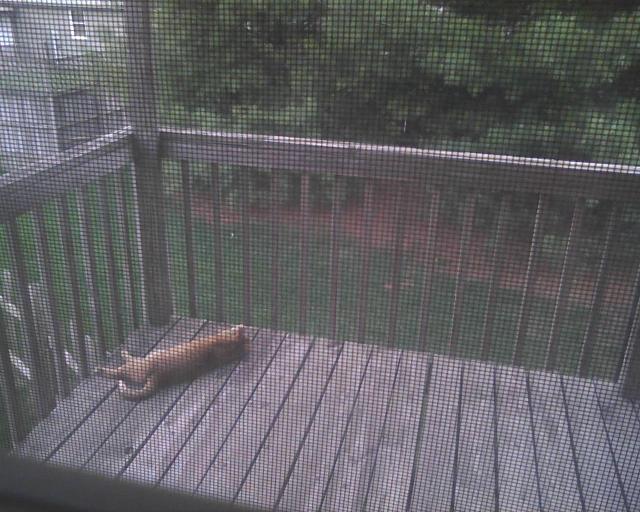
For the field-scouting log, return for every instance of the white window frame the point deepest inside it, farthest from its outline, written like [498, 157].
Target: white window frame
[12, 33]
[74, 23]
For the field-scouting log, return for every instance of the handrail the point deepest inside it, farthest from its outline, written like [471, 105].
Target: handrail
[22, 190]
[478, 170]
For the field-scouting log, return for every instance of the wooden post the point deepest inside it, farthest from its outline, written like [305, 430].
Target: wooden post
[145, 150]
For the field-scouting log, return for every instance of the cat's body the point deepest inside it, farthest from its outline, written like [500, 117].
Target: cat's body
[173, 363]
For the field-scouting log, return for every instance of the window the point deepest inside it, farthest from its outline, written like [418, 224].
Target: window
[6, 31]
[78, 27]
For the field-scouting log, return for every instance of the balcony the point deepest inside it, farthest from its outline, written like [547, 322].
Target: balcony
[436, 331]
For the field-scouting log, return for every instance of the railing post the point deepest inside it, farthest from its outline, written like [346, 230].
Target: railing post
[145, 149]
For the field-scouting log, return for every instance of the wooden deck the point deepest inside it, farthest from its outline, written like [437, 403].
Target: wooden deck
[310, 424]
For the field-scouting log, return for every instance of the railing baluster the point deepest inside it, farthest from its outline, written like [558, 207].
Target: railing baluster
[303, 271]
[138, 244]
[527, 292]
[122, 216]
[114, 295]
[334, 258]
[42, 314]
[628, 370]
[45, 264]
[363, 288]
[13, 411]
[44, 396]
[245, 183]
[463, 252]
[429, 268]
[76, 293]
[566, 276]
[218, 258]
[588, 340]
[497, 263]
[400, 223]
[276, 188]
[188, 237]
[87, 245]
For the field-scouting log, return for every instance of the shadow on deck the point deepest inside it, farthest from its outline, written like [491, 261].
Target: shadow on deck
[309, 424]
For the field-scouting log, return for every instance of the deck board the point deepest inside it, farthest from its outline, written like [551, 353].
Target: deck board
[600, 482]
[518, 484]
[622, 425]
[90, 436]
[157, 454]
[311, 424]
[475, 485]
[191, 464]
[433, 486]
[558, 480]
[225, 475]
[350, 477]
[270, 468]
[394, 465]
[309, 475]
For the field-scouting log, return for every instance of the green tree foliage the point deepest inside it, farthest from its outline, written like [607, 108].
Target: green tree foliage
[548, 79]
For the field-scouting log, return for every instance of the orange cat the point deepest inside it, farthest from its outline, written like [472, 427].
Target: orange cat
[182, 360]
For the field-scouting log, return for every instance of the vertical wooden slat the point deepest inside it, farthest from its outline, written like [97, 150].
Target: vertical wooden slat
[74, 282]
[44, 399]
[400, 223]
[334, 258]
[188, 238]
[123, 221]
[42, 313]
[566, 277]
[276, 188]
[465, 238]
[363, 287]
[218, 260]
[589, 337]
[429, 259]
[245, 183]
[57, 331]
[140, 282]
[303, 270]
[13, 412]
[527, 292]
[497, 263]
[112, 270]
[142, 115]
[87, 244]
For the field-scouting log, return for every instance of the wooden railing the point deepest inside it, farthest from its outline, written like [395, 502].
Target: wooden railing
[75, 280]
[70, 259]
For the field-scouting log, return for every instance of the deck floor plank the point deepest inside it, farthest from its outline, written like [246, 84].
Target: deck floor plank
[81, 446]
[558, 480]
[308, 478]
[156, 456]
[394, 465]
[475, 486]
[517, 473]
[350, 478]
[595, 458]
[69, 414]
[435, 459]
[132, 434]
[269, 471]
[224, 476]
[302, 424]
[623, 429]
[192, 462]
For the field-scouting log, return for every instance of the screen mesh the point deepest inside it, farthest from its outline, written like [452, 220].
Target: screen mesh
[325, 255]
